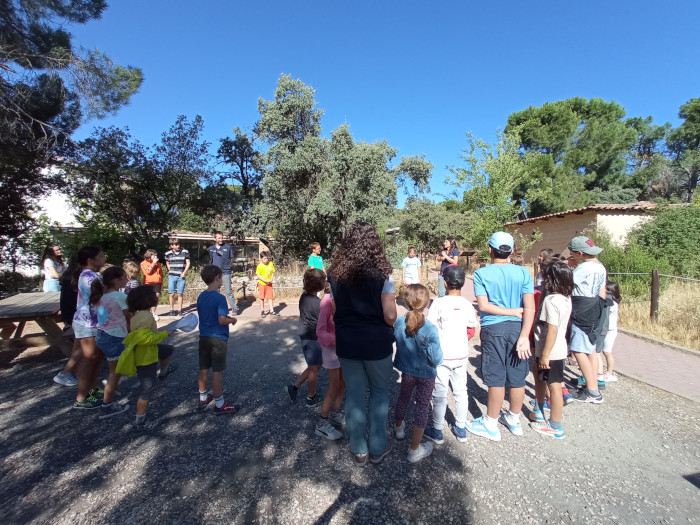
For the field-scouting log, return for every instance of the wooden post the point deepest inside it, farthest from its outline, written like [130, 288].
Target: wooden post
[654, 313]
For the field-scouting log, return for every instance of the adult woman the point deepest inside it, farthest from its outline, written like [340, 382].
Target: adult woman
[364, 306]
[447, 256]
[53, 265]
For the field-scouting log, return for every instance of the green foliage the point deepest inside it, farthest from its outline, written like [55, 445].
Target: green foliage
[397, 251]
[426, 225]
[684, 145]
[492, 174]
[673, 234]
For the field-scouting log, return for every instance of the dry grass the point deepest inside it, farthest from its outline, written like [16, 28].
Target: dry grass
[679, 315]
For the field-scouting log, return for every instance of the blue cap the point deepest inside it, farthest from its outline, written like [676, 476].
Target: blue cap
[501, 241]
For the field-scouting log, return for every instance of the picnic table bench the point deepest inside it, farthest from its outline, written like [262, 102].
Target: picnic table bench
[40, 307]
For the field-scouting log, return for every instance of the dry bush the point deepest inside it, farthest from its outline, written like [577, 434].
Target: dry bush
[679, 315]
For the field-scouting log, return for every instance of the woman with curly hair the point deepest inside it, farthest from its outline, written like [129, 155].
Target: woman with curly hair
[364, 304]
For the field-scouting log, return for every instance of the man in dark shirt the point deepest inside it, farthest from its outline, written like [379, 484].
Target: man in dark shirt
[221, 255]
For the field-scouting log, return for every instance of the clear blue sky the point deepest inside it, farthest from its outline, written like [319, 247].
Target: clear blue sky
[418, 74]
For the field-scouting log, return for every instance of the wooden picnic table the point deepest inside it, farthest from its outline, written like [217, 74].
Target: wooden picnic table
[40, 307]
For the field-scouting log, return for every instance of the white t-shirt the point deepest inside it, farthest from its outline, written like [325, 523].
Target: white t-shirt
[411, 265]
[452, 315]
[48, 263]
[589, 279]
[612, 318]
[556, 310]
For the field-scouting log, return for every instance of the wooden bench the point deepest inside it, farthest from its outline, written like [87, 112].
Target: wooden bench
[39, 307]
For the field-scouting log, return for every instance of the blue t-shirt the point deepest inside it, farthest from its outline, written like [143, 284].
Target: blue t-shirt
[210, 305]
[411, 264]
[221, 256]
[445, 264]
[504, 285]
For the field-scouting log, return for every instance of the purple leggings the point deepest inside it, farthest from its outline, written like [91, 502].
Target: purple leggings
[424, 391]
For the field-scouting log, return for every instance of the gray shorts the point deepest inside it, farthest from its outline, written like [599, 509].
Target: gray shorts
[148, 376]
[212, 353]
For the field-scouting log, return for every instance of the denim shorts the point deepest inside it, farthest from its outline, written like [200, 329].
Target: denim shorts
[83, 332]
[313, 353]
[176, 284]
[580, 342]
[111, 345]
[500, 364]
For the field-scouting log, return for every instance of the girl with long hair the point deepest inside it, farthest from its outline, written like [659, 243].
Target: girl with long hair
[53, 266]
[448, 256]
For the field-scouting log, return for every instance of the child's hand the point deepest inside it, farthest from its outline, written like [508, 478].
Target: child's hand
[523, 348]
[544, 362]
[518, 312]
[232, 321]
[154, 259]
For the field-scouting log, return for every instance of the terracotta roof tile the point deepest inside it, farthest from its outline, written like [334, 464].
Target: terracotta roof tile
[635, 206]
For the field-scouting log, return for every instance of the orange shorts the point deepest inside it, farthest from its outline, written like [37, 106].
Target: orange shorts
[265, 291]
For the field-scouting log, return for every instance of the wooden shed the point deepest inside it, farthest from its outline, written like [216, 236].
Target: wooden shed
[558, 229]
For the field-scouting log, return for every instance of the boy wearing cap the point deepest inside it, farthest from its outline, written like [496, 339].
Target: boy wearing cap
[588, 309]
[505, 296]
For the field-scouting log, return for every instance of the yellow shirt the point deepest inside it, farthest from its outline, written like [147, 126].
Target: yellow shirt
[265, 271]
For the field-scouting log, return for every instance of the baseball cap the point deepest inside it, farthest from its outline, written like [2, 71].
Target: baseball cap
[585, 245]
[501, 241]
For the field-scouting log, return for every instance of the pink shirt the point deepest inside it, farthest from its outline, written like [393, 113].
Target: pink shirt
[325, 328]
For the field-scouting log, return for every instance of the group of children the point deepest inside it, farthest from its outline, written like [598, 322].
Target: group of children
[572, 310]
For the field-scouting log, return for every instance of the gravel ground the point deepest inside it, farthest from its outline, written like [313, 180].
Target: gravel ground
[621, 462]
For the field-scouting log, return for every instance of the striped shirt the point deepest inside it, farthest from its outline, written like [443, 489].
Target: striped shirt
[177, 260]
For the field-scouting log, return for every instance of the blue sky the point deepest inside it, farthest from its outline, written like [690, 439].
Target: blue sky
[417, 74]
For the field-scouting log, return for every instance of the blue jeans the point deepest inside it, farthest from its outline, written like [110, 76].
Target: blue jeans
[359, 375]
[441, 286]
[228, 292]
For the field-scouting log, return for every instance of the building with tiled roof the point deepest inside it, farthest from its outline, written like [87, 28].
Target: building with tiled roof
[558, 229]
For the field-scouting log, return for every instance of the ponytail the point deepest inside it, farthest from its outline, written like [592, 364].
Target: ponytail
[417, 298]
[97, 287]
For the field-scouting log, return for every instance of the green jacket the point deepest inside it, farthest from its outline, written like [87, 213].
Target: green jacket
[141, 350]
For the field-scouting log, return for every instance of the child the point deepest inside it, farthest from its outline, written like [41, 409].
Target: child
[263, 273]
[143, 350]
[315, 259]
[545, 256]
[309, 309]
[91, 258]
[551, 347]
[417, 354]
[69, 302]
[132, 274]
[333, 401]
[588, 303]
[455, 320]
[613, 291]
[410, 268]
[449, 255]
[152, 275]
[505, 296]
[178, 262]
[213, 340]
[112, 328]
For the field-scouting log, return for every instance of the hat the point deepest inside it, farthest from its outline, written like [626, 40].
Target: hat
[585, 245]
[501, 241]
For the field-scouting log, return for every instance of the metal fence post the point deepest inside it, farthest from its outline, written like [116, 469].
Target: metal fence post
[654, 313]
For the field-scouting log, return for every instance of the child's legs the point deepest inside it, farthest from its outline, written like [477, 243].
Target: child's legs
[312, 379]
[587, 372]
[164, 353]
[202, 380]
[440, 396]
[458, 378]
[610, 359]
[171, 299]
[217, 383]
[218, 364]
[149, 382]
[301, 379]
[495, 349]
[179, 302]
[75, 356]
[556, 401]
[340, 394]
[593, 361]
[112, 382]
[313, 354]
[408, 383]
[331, 393]
[584, 352]
[89, 366]
[424, 390]
[540, 388]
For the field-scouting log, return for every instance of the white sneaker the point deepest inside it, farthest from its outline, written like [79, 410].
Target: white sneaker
[328, 431]
[609, 377]
[156, 317]
[515, 428]
[400, 432]
[337, 417]
[423, 451]
[66, 379]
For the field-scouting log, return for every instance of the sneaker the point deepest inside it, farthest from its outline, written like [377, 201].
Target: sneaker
[536, 416]
[546, 430]
[568, 399]
[169, 370]
[328, 431]
[204, 404]
[547, 406]
[272, 312]
[478, 428]
[460, 433]
[584, 397]
[112, 410]
[609, 377]
[434, 435]
[313, 401]
[66, 379]
[377, 458]
[156, 318]
[264, 314]
[423, 451]
[337, 418]
[90, 402]
[581, 381]
[97, 392]
[225, 409]
[360, 460]
[515, 429]
[601, 385]
[400, 432]
[292, 392]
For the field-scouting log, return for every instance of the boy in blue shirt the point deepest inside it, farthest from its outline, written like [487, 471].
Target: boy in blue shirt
[505, 296]
[213, 340]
